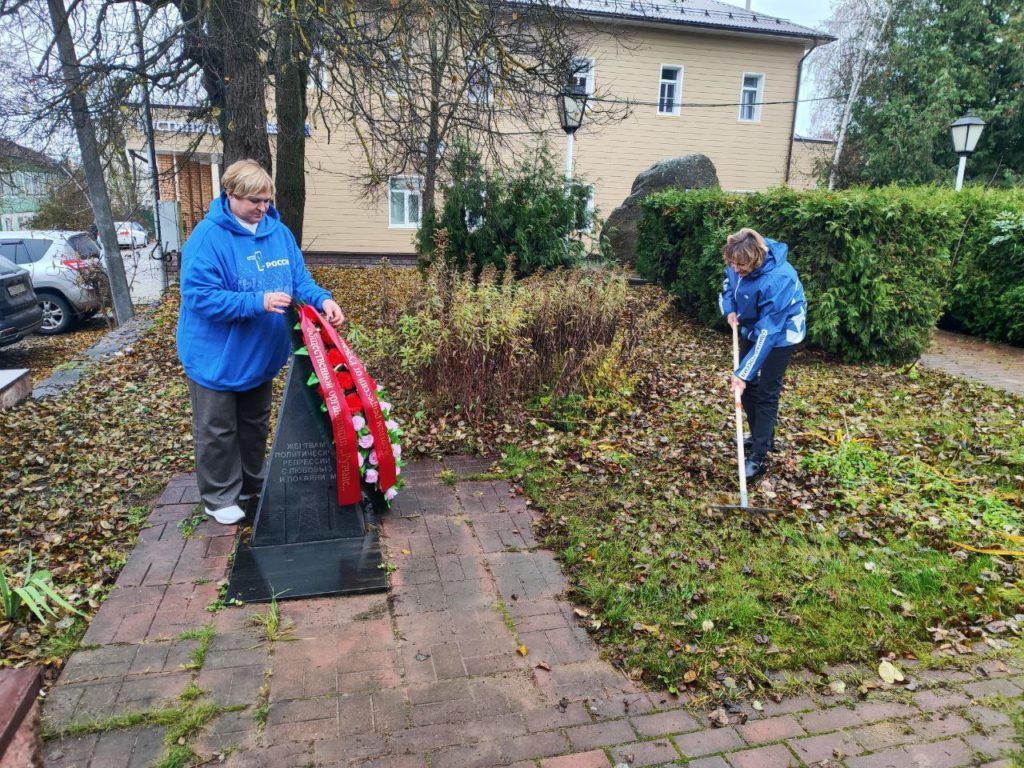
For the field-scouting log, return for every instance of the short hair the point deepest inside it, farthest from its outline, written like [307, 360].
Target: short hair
[244, 178]
[745, 248]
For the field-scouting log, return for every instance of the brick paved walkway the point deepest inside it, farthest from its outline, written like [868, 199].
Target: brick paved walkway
[428, 676]
[998, 365]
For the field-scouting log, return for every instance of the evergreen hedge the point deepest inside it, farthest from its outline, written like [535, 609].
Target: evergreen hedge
[528, 218]
[879, 266]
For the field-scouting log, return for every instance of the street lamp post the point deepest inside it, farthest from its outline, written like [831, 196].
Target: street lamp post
[965, 132]
[572, 103]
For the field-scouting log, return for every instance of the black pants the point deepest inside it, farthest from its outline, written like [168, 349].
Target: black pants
[230, 433]
[761, 396]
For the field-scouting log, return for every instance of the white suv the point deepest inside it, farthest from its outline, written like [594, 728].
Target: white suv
[56, 261]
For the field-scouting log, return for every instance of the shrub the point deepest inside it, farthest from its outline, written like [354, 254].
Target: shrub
[527, 220]
[484, 346]
[986, 286]
[873, 262]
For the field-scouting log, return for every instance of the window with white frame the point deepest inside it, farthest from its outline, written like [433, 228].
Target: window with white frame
[583, 75]
[394, 74]
[670, 90]
[478, 77]
[405, 201]
[751, 96]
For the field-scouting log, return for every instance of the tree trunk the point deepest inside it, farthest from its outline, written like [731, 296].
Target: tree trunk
[236, 25]
[75, 89]
[291, 63]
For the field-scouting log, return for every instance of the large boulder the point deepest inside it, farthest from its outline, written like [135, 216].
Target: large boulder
[689, 172]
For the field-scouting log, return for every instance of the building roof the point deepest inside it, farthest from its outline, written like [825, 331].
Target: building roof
[9, 150]
[709, 14]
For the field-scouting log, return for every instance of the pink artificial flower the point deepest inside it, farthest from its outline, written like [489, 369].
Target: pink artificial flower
[396, 451]
[391, 424]
[358, 422]
[366, 441]
[371, 476]
[390, 493]
[373, 458]
[360, 455]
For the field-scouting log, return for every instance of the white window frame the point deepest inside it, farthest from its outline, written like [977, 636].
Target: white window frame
[677, 97]
[475, 67]
[395, 68]
[408, 191]
[586, 77]
[758, 97]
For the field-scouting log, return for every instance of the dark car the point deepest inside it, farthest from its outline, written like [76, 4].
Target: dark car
[20, 311]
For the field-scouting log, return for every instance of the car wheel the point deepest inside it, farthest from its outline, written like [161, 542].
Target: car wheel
[57, 314]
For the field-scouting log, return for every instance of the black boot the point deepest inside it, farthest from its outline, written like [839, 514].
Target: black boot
[754, 467]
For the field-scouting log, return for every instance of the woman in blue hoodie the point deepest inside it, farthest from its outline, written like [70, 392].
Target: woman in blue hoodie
[763, 298]
[240, 269]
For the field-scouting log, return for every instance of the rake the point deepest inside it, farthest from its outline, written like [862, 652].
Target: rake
[740, 457]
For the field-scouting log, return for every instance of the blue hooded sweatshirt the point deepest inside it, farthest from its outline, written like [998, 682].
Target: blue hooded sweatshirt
[227, 341]
[769, 304]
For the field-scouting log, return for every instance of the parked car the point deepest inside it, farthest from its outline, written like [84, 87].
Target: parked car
[20, 312]
[56, 261]
[131, 234]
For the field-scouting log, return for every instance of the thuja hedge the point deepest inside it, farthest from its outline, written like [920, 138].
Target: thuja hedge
[880, 266]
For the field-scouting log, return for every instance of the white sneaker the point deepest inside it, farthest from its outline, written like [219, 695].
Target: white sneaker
[228, 515]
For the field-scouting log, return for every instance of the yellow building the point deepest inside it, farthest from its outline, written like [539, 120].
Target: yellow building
[700, 75]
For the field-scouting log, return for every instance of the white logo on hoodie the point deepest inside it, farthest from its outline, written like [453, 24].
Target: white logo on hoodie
[257, 257]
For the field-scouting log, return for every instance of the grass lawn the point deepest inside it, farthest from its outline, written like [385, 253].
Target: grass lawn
[879, 473]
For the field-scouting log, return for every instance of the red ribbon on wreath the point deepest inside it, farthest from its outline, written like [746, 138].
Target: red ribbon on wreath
[346, 451]
[365, 386]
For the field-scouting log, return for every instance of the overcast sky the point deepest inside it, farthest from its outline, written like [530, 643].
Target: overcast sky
[810, 13]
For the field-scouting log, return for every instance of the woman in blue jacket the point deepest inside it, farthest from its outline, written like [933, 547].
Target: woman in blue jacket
[240, 269]
[763, 297]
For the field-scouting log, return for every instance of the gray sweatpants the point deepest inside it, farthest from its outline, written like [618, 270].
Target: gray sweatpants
[230, 434]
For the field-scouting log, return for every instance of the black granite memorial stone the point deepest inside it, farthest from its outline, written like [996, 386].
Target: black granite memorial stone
[303, 543]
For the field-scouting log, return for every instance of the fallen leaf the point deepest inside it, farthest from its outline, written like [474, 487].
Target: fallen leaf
[889, 673]
[522, 650]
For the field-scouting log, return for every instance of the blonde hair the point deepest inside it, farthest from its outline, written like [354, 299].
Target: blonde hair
[244, 178]
[745, 249]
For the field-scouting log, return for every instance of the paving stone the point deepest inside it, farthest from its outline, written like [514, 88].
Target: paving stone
[709, 741]
[775, 756]
[425, 738]
[985, 688]
[664, 723]
[883, 735]
[534, 745]
[830, 719]
[772, 729]
[708, 762]
[951, 753]
[593, 759]
[873, 711]
[827, 746]
[939, 699]
[549, 718]
[994, 743]
[941, 725]
[642, 753]
[988, 717]
[584, 737]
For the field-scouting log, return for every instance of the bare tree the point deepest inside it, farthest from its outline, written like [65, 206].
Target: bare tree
[409, 78]
[859, 26]
[75, 89]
